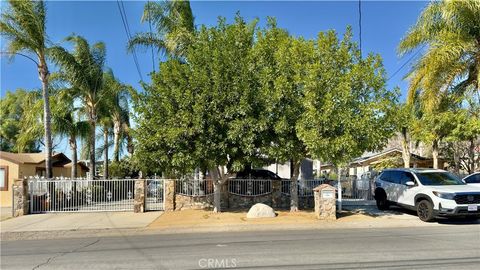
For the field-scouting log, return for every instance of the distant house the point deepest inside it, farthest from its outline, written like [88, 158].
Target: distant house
[20, 165]
[388, 158]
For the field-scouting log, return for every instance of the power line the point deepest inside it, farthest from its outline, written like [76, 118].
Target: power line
[406, 62]
[360, 23]
[123, 15]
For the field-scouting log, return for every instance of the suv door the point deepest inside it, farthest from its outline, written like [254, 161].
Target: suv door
[386, 182]
[406, 194]
[394, 185]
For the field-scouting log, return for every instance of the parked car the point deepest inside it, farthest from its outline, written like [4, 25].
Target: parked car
[257, 174]
[430, 192]
[473, 179]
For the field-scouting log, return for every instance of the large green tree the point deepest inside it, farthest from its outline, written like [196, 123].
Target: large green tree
[15, 108]
[348, 109]
[23, 23]
[83, 69]
[280, 69]
[203, 113]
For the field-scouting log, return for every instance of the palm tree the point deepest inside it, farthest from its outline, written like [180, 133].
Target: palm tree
[118, 110]
[83, 69]
[451, 34]
[174, 25]
[23, 24]
[66, 123]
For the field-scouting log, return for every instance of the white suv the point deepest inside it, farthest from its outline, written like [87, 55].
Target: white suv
[430, 192]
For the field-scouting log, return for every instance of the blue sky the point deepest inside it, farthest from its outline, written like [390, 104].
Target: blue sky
[384, 23]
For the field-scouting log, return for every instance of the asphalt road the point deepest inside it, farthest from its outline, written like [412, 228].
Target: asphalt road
[436, 247]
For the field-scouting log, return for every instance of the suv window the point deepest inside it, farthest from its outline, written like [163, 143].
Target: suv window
[391, 176]
[405, 177]
[473, 179]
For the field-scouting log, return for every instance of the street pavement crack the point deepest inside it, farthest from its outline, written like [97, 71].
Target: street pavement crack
[50, 259]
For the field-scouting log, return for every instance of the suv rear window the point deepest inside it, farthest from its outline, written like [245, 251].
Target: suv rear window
[392, 176]
[438, 179]
[473, 179]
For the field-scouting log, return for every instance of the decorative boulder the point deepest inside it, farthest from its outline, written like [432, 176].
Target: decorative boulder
[261, 210]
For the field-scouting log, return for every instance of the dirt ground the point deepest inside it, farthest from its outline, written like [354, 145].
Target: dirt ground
[202, 218]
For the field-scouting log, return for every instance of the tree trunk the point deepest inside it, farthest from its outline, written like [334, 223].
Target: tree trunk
[217, 187]
[435, 154]
[43, 74]
[105, 153]
[92, 120]
[456, 158]
[73, 147]
[471, 156]
[405, 148]
[116, 141]
[340, 190]
[130, 146]
[294, 186]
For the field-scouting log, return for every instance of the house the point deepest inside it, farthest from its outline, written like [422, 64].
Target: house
[20, 165]
[388, 158]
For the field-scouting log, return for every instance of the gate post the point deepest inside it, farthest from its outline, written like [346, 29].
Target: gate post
[276, 194]
[20, 198]
[169, 192]
[139, 198]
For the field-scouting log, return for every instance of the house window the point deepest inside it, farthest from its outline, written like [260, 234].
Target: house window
[3, 178]
[40, 172]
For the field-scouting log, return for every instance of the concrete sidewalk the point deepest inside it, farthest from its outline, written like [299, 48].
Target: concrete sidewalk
[78, 221]
[5, 213]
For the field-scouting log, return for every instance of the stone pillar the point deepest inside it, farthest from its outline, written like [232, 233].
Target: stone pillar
[139, 198]
[20, 198]
[325, 202]
[169, 203]
[276, 194]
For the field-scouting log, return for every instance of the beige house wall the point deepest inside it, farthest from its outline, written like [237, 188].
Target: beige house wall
[12, 170]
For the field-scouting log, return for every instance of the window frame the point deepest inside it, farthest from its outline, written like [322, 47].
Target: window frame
[5, 187]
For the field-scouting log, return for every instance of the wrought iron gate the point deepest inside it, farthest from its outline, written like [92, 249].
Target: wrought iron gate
[155, 191]
[81, 195]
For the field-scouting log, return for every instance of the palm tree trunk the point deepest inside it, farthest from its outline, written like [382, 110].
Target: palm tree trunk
[294, 186]
[73, 148]
[105, 153]
[405, 148]
[116, 141]
[91, 165]
[435, 154]
[43, 74]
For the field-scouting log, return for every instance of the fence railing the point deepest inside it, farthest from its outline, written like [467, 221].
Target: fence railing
[194, 187]
[250, 187]
[81, 195]
[358, 189]
[304, 186]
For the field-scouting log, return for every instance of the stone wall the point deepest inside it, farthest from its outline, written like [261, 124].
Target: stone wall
[139, 197]
[20, 198]
[276, 199]
[325, 206]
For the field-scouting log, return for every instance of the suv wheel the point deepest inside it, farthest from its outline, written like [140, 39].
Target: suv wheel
[425, 211]
[382, 203]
